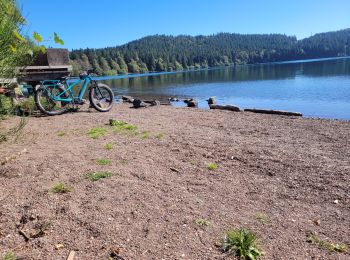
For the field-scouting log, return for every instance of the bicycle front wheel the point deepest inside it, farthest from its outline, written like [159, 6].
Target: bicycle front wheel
[101, 97]
[45, 100]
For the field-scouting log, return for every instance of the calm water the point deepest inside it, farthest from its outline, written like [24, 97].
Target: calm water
[318, 88]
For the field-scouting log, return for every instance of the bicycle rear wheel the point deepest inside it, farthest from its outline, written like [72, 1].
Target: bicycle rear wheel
[101, 97]
[45, 100]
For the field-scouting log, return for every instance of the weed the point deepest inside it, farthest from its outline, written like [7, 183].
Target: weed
[108, 146]
[124, 127]
[121, 125]
[331, 246]
[9, 255]
[97, 132]
[61, 133]
[15, 132]
[103, 162]
[263, 217]
[95, 176]
[145, 134]
[241, 242]
[123, 161]
[60, 188]
[202, 222]
[212, 166]
[160, 136]
[194, 163]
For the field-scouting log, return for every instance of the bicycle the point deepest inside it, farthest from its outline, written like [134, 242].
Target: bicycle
[55, 97]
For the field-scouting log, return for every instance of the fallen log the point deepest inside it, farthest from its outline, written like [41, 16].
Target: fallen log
[226, 107]
[274, 112]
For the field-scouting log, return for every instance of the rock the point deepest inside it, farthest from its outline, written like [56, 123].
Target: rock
[59, 246]
[138, 103]
[212, 101]
[336, 201]
[192, 103]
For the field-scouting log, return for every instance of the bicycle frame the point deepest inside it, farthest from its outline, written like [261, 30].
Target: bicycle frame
[68, 89]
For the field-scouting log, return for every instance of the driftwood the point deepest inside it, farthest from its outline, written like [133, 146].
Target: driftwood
[127, 99]
[274, 112]
[226, 107]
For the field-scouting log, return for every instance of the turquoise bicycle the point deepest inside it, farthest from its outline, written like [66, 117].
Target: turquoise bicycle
[55, 97]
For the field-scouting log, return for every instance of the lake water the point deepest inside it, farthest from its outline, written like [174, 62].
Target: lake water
[316, 88]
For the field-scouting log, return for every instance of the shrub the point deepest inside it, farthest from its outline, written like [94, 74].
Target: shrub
[241, 242]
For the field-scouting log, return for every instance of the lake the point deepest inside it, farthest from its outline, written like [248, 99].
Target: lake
[316, 88]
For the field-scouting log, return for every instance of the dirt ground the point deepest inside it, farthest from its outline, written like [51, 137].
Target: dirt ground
[281, 177]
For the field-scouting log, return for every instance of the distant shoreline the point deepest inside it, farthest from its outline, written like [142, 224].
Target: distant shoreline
[134, 75]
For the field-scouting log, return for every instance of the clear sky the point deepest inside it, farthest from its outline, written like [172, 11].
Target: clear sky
[103, 23]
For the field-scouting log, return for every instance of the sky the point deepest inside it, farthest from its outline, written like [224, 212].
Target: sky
[108, 23]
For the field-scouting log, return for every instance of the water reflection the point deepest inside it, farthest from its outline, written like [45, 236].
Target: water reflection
[309, 87]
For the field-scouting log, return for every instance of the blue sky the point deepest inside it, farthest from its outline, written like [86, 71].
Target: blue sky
[103, 23]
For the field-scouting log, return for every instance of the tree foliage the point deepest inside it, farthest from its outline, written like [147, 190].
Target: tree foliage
[17, 50]
[168, 53]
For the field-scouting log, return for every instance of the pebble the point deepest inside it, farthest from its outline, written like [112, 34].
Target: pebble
[336, 202]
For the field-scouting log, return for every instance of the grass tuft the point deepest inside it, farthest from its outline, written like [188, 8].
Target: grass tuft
[97, 132]
[242, 243]
[331, 246]
[212, 166]
[145, 134]
[9, 255]
[202, 222]
[263, 217]
[61, 133]
[95, 176]
[60, 188]
[103, 161]
[160, 136]
[108, 146]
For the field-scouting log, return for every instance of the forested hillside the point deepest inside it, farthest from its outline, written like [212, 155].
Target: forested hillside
[169, 53]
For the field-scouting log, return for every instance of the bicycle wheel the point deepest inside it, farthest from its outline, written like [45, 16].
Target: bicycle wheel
[44, 100]
[101, 97]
